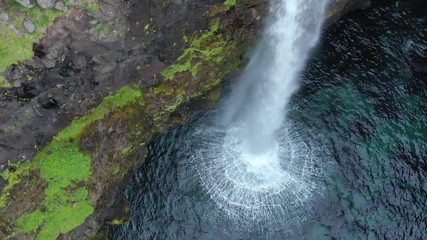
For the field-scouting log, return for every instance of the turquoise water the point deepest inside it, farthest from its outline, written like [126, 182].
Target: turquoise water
[361, 108]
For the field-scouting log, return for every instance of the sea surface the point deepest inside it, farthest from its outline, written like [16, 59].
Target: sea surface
[361, 109]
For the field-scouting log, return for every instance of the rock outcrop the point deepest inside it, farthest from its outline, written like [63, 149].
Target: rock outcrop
[46, 4]
[103, 81]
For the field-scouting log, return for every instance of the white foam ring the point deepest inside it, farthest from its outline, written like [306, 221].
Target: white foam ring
[259, 190]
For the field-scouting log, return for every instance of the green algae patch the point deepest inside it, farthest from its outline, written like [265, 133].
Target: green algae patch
[230, 3]
[115, 171]
[100, 29]
[13, 48]
[205, 48]
[64, 167]
[60, 165]
[4, 83]
[92, 7]
[147, 28]
[15, 44]
[121, 98]
[12, 178]
[127, 150]
[103, 31]
[164, 88]
[60, 217]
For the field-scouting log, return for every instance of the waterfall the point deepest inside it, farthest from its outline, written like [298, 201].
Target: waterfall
[259, 102]
[256, 166]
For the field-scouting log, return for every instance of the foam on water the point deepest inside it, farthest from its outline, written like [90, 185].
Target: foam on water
[259, 188]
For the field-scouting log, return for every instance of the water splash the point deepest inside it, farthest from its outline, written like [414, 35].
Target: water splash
[259, 189]
[256, 167]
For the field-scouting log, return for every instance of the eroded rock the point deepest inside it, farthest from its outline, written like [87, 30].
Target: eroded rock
[46, 4]
[29, 26]
[26, 3]
[61, 6]
[4, 18]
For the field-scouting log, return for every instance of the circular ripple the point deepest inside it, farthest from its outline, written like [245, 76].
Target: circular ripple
[275, 186]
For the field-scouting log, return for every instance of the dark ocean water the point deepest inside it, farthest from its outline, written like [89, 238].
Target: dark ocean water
[363, 102]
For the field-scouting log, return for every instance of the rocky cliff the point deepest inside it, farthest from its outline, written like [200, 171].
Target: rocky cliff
[84, 85]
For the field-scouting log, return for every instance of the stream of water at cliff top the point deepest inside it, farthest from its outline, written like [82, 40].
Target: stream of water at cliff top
[342, 155]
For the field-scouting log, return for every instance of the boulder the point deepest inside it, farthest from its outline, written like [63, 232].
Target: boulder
[61, 6]
[4, 18]
[29, 26]
[25, 3]
[46, 4]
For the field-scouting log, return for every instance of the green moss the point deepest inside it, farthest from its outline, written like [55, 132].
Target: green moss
[121, 98]
[42, 18]
[212, 84]
[164, 88]
[14, 47]
[17, 14]
[170, 72]
[31, 221]
[4, 83]
[147, 28]
[100, 29]
[230, 3]
[92, 7]
[62, 165]
[161, 114]
[12, 178]
[116, 170]
[207, 57]
[103, 30]
[127, 150]
[50, 224]
[206, 48]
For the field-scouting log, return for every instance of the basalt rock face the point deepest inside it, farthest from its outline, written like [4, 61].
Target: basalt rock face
[101, 84]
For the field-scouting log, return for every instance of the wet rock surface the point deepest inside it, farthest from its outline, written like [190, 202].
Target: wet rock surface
[86, 56]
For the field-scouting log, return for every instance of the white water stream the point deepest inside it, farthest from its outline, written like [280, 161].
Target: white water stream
[256, 166]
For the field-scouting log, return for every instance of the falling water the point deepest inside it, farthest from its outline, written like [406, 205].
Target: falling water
[271, 77]
[256, 166]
